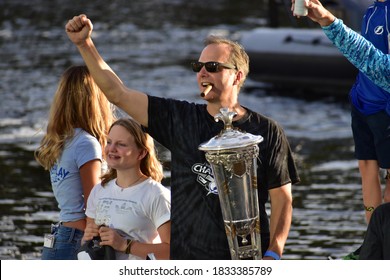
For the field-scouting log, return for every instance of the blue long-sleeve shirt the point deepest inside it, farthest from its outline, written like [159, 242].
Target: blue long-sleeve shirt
[361, 53]
[365, 96]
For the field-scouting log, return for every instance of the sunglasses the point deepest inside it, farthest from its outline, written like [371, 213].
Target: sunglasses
[211, 66]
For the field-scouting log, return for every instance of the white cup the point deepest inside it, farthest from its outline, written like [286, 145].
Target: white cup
[299, 8]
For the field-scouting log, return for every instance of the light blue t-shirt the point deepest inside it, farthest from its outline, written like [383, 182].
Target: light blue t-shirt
[361, 53]
[65, 175]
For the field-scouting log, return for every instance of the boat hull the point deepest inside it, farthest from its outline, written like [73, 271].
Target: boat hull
[297, 57]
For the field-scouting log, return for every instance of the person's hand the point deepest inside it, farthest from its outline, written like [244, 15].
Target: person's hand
[91, 230]
[111, 237]
[317, 12]
[79, 29]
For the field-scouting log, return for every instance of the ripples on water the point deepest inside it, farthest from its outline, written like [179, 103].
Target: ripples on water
[149, 44]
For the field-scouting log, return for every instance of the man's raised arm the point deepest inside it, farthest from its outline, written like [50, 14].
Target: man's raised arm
[133, 102]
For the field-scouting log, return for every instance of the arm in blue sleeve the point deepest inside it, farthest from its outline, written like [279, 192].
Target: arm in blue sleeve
[361, 53]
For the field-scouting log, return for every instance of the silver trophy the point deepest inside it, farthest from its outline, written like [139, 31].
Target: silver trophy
[232, 155]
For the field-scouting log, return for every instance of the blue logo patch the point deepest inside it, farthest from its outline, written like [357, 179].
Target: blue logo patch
[378, 30]
[58, 174]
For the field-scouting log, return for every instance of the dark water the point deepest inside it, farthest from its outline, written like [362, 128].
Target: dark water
[149, 44]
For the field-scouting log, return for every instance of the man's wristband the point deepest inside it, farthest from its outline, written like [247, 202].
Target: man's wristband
[272, 254]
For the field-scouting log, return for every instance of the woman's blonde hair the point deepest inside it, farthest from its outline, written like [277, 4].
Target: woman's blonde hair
[150, 165]
[78, 103]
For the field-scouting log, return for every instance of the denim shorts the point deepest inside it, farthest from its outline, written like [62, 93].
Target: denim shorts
[372, 137]
[66, 243]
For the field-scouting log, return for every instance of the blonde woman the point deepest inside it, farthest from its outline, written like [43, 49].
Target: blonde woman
[130, 209]
[71, 150]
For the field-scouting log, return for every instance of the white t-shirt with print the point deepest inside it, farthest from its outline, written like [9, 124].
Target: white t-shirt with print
[135, 212]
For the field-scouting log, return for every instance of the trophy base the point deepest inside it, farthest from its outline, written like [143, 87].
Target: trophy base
[246, 253]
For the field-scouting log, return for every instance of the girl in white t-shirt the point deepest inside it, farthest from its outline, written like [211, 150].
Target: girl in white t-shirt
[130, 208]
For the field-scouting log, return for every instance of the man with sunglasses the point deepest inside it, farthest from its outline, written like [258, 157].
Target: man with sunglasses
[197, 225]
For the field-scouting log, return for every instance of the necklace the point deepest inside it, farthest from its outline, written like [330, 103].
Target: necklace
[133, 183]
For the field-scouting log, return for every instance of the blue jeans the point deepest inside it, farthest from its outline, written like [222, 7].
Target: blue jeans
[66, 243]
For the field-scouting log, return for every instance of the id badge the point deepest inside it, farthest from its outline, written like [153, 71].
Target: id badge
[48, 241]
